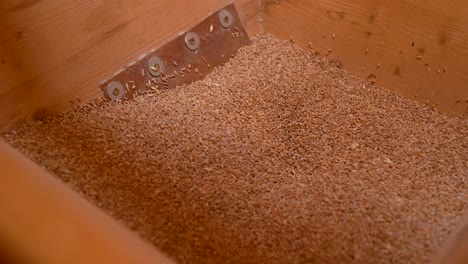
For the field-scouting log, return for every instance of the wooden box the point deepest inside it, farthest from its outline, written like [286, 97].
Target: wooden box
[55, 52]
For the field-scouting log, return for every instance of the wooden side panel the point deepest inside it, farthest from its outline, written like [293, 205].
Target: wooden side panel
[418, 48]
[455, 250]
[43, 221]
[54, 52]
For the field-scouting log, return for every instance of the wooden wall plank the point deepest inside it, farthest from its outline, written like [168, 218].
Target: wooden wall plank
[418, 48]
[53, 52]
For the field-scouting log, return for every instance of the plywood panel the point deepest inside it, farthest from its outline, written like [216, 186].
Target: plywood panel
[58, 51]
[416, 47]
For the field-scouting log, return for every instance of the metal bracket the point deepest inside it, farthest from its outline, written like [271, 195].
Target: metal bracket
[187, 58]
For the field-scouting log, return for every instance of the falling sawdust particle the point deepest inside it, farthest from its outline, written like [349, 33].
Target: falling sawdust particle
[276, 157]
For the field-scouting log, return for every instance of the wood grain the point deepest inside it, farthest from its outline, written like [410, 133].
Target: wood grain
[418, 48]
[55, 52]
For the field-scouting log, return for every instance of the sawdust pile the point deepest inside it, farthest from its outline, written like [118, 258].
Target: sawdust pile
[277, 157]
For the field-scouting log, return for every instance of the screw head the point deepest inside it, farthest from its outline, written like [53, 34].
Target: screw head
[115, 91]
[156, 66]
[225, 18]
[192, 41]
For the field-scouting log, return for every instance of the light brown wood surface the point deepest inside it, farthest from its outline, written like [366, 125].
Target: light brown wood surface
[418, 48]
[455, 250]
[57, 51]
[43, 221]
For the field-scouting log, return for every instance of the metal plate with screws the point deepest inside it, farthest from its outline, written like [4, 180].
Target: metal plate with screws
[115, 91]
[177, 64]
[192, 41]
